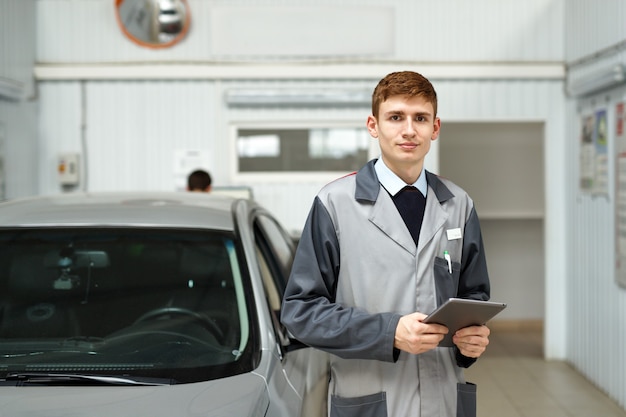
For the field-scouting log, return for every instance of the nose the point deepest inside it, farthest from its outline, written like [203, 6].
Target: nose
[409, 129]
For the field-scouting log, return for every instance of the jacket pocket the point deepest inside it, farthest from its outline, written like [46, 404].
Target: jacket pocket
[373, 405]
[446, 283]
[465, 400]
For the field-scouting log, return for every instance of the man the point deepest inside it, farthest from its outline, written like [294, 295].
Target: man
[368, 269]
[199, 180]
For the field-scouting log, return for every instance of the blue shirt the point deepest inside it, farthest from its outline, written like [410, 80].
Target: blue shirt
[393, 184]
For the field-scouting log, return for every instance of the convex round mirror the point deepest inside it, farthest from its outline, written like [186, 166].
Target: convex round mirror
[153, 23]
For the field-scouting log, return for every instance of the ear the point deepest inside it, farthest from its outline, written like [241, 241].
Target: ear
[436, 129]
[372, 126]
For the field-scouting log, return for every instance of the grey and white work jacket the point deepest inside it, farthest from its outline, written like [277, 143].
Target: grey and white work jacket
[357, 270]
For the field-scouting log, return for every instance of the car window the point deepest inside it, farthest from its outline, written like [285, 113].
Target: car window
[160, 303]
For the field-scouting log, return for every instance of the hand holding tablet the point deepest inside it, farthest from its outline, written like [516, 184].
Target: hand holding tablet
[457, 313]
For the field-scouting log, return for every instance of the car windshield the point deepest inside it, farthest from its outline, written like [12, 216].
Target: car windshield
[165, 304]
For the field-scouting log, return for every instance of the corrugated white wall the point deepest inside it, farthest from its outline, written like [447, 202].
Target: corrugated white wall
[86, 32]
[133, 128]
[445, 30]
[591, 27]
[17, 41]
[596, 310]
[18, 107]
[127, 131]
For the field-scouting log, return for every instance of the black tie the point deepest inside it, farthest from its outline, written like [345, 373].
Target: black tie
[411, 204]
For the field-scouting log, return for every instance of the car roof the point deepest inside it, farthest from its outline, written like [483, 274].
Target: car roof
[145, 209]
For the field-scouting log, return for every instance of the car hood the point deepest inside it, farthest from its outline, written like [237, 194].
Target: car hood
[242, 395]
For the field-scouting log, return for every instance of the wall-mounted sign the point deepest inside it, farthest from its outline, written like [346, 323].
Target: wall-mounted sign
[594, 156]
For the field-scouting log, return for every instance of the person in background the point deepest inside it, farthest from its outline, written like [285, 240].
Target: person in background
[199, 181]
[380, 249]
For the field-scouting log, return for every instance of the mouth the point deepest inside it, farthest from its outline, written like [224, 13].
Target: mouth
[408, 145]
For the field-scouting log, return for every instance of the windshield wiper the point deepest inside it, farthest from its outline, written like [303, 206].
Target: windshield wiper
[77, 379]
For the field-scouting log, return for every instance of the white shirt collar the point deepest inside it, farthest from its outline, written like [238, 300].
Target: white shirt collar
[393, 184]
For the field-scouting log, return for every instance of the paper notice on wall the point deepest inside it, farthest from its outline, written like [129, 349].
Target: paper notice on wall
[601, 145]
[587, 153]
[594, 158]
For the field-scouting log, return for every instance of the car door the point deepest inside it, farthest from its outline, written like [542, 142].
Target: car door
[305, 367]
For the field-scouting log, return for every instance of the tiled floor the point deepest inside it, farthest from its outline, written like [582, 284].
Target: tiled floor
[515, 381]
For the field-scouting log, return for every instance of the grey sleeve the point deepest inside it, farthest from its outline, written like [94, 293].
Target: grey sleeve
[309, 310]
[474, 280]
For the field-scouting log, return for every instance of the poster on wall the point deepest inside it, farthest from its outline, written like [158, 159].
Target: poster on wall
[586, 153]
[594, 177]
[620, 195]
[601, 146]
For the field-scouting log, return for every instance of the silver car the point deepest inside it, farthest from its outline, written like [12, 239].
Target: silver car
[149, 304]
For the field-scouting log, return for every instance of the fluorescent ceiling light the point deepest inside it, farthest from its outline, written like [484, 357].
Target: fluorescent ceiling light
[598, 81]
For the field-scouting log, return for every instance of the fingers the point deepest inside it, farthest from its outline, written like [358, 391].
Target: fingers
[472, 341]
[416, 337]
[418, 343]
[482, 331]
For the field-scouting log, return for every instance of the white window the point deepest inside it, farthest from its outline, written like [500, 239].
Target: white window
[276, 150]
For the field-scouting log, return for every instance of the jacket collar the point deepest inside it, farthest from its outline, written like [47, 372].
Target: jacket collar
[368, 187]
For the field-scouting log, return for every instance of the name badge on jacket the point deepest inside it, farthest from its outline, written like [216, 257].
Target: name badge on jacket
[454, 234]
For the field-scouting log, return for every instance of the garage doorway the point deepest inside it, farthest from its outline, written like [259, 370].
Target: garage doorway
[501, 166]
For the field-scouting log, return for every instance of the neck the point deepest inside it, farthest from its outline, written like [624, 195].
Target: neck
[408, 174]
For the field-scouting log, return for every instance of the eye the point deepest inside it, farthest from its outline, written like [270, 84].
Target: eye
[395, 117]
[420, 118]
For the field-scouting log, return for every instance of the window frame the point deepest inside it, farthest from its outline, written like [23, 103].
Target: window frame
[270, 262]
[282, 177]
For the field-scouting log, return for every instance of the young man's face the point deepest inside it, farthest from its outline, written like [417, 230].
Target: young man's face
[404, 127]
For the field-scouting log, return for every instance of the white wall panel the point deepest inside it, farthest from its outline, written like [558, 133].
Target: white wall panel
[595, 38]
[135, 129]
[299, 31]
[447, 30]
[59, 130]
[481, 30]
[18, 106]
[596, 304]
[18, 120]
[592, 26]
[17, 42]
[132, 131]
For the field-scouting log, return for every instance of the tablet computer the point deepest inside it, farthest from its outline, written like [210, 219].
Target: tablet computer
[457, 313]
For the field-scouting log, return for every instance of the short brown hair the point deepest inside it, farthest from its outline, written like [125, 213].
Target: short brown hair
[403, 83]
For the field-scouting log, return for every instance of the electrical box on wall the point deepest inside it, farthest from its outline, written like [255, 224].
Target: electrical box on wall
[68, 169]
